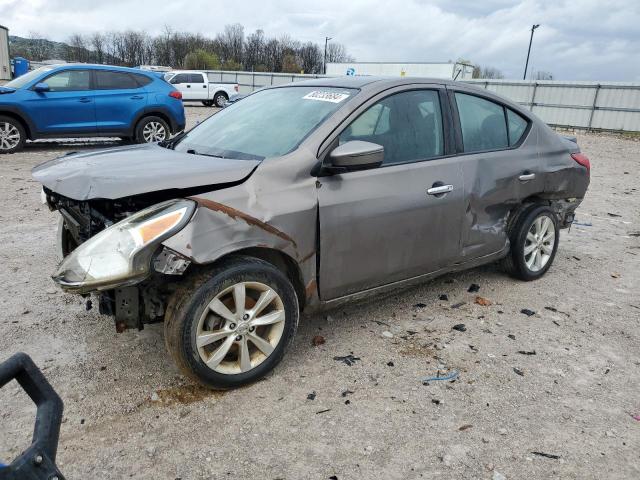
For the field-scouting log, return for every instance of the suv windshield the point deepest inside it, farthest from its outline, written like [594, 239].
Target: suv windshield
[27, 77]
[268, 123]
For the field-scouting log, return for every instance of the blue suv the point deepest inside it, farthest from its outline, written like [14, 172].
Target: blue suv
[79, 100]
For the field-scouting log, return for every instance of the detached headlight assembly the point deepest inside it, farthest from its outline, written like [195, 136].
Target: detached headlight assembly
[121, 254]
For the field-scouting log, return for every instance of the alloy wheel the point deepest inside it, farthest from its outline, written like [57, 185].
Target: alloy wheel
[154, 132]
[9, 136]
[538, 246]
[240, 328]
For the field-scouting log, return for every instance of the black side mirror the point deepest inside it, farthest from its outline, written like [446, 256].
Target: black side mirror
[353, 156]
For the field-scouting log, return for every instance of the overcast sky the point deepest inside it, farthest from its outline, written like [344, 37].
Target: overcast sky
[577, 39]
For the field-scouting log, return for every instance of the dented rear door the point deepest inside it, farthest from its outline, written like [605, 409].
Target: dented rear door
[499, 170]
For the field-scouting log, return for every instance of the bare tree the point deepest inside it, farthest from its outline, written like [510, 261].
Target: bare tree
[39, 49]
[233, 51]
[77, 49]
[231, 43]
[337, 52]
[310, 58]
[486, 72]
[98, 41]
[254, 51]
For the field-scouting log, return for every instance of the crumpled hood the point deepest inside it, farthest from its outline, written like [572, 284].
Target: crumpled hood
[132, 170]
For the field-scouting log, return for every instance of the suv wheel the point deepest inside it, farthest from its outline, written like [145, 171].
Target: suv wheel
[232, 326]
[12, 135]
[152, 130]
[219, 99]
[534, 242]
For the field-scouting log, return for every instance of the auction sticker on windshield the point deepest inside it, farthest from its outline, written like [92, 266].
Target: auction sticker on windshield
[333, 97]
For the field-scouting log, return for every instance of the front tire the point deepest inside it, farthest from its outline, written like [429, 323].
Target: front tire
[220, 99]
[12, 135]
[232, 326]
[152, 130]
[534, 242]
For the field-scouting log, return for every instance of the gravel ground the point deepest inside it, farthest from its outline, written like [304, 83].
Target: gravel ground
[129, 413]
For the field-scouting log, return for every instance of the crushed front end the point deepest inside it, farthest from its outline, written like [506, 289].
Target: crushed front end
[113, 248]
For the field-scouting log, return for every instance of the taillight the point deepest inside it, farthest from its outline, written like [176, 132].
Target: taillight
[176, 94]
[236, 87]
[582, 160]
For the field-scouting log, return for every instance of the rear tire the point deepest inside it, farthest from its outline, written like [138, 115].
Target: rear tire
[210, 347]
[219, 99]
[152, 130]
[534, 241]
[12, 135]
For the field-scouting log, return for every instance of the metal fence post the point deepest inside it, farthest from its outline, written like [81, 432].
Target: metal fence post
[593, 107]
[533, 96]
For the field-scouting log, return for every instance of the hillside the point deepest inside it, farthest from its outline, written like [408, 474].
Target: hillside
[36, 48]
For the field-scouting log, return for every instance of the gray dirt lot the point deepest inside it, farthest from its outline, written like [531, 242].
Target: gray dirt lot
[574, 400]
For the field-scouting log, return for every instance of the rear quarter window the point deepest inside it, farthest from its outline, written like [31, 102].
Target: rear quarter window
[517, 126]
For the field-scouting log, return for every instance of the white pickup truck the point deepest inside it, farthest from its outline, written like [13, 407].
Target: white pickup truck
[195, 87]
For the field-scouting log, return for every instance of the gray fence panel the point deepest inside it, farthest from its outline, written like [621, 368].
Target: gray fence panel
[588, 105]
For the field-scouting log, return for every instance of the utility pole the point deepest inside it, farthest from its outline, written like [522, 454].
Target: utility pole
[533, 27]
[324, 64]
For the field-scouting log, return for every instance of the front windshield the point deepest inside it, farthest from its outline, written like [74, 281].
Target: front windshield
[27, 77]
[269, 123]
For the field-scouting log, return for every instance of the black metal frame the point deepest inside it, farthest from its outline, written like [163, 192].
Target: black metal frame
[38, 461]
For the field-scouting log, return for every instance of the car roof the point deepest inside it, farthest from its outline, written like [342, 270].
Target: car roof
[364, 80]
[379, 83]
[95, 66]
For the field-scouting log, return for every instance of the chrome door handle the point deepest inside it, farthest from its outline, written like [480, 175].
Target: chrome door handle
[439, 190]
[525, 177]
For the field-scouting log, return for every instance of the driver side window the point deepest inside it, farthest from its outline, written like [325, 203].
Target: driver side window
[408, 125]
[69, 81]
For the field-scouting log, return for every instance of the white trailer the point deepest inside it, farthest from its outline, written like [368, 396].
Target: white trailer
[457, 71]
[5, 62]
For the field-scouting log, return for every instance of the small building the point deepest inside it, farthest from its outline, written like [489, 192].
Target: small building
[5, 64]
[449, 70]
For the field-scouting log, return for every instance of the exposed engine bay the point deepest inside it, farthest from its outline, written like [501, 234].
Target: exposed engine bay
[132, 306]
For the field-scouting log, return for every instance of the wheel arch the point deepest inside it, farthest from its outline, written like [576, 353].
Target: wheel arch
[20, 118]
[279, 259]
[156, 111]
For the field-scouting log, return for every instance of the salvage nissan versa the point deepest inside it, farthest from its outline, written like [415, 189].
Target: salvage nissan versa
[303, 196]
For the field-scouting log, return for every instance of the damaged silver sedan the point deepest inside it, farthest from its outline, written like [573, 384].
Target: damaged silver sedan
[304, 196]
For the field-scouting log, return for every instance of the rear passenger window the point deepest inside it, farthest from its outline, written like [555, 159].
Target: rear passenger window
[517, 126]
[196, 78]
[408, 125]
[482, 123]
[106, 80]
